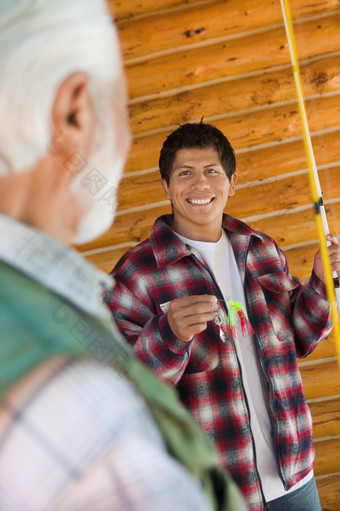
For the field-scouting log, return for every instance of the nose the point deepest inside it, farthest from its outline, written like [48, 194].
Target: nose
[200, 182]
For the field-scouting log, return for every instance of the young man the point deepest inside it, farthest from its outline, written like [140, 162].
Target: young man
[83, 424]
[209, 304]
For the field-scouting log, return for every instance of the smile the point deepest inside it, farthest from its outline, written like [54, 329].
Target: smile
[200, 201]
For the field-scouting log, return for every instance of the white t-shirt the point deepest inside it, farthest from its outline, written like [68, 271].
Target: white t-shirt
[221, 261]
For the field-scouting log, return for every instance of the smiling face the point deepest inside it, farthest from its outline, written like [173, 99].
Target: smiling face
[198, 190]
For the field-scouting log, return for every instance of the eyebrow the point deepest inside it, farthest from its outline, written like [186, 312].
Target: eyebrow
[192, 167]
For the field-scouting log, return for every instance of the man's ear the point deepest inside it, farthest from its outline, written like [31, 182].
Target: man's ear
[233, 181]
[73, 115]
[166, 189]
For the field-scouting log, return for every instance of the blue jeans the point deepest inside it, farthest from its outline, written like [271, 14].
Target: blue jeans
[305, 498]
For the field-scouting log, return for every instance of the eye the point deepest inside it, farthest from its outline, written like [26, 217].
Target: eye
[184, 173]
[211, 171]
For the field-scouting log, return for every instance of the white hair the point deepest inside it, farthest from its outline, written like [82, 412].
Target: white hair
[41, 43]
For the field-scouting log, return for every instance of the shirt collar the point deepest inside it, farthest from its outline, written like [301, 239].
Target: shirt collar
[234, 226]
[168, 248]
[58, 267]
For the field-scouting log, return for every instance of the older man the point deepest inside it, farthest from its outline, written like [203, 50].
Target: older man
[83, 425]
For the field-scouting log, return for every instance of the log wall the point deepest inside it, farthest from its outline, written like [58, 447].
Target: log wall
[228, 61]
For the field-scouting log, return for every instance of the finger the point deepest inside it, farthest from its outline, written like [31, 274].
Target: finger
[195, 319]
[335, 262]
[191, 315]
[190, 306]
[185, 301]
[187, 334]
[332, 238]
[334, 251]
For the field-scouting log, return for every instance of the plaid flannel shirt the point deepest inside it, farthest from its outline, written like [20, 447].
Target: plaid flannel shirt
[74, 434]
[289, 319]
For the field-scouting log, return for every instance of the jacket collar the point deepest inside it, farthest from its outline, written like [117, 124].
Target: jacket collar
[168, 248]
[234, 226]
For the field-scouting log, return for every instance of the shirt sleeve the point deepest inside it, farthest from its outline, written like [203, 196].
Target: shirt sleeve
[86, 440]
[133, 476]
[148, 332]
[310, 312]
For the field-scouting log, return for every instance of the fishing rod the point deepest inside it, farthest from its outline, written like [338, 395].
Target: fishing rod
[332, 282]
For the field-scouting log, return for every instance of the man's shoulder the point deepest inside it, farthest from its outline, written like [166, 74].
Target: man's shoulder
[135, 259]
[16, 285]
[142, 257]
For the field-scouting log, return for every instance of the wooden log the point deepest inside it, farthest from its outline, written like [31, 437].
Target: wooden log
[281, 159]
[300, 260]
[106, 260]
[263, 126]
[233, 96]
[252, 165]
[127, 9]
[327, 457]
[327, 373]
[326, 415]
[294, 228]
[329, 492]
[204, 22]
[230, 58]
[263, 198]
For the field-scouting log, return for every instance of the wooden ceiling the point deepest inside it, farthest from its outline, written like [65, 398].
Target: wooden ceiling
[228, 61]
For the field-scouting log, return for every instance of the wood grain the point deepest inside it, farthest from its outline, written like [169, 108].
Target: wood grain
[327, 373]
[329, 492]
[202, 22]
[326, 416]
[127, 9]
[230, 58]
[327, 456]
[235, 95]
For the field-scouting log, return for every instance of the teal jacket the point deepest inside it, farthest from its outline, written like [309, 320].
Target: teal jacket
[36, 325]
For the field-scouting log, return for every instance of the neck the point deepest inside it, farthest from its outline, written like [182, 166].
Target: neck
[199, 233]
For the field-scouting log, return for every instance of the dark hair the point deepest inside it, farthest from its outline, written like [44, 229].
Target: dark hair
[191, 135]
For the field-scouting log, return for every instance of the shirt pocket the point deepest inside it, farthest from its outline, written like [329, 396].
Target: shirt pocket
[277, 289]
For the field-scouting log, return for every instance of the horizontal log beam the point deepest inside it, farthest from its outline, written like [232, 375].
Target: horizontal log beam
[231, 58]
[278, 122]
[128, 9]
[293, 228]
[326, 416]
[233, 96]
[327, 373]
[206, 21]
[106, 261]
[327, 457]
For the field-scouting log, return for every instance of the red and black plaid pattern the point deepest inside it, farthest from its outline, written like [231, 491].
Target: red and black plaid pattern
[289, 319]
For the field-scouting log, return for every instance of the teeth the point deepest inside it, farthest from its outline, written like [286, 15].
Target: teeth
[199, 201]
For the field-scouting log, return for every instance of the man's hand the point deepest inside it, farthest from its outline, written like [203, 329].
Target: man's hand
[189, 315]
[334, 256]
